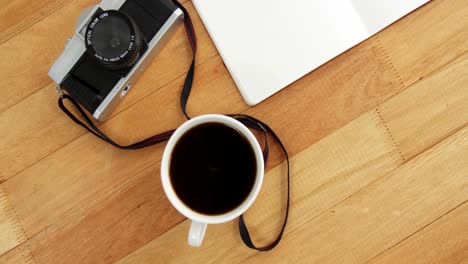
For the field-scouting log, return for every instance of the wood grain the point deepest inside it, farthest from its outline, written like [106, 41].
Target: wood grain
[15, 16]
[26, 126]
[136, 215]
[429, 38]
[431, 110]
[10, 229]
[18, 255]
[378, 163]
[444, 241]
[66, 188]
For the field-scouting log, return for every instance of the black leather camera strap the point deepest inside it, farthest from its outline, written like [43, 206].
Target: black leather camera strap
[256, 124]
[247, 120]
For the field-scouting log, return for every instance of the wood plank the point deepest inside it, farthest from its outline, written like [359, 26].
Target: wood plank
[350, 158]
[26, 126]
[15, 16]
[37, 119]
[18, 255]
[65, 188]
[444, 241]
[28, 72]
[132, 218]
[10, 228]
[430, 110]
[429, 38]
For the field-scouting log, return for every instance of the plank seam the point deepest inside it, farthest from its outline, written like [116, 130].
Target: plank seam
[389, 62]
[14, 221]
[29, 22]
[28, 257]
[417, 231]
[26, 96]
[392, 139]
[18, 228]
[442, 138]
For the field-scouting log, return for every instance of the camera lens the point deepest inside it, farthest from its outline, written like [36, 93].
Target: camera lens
[111, 37]
[114, 40]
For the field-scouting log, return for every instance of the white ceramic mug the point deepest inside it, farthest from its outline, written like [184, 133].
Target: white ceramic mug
[200, 221]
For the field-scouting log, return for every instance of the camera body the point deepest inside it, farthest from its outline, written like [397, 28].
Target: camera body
[113, 44]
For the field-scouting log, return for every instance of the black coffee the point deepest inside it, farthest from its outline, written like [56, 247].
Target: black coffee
[213, 168]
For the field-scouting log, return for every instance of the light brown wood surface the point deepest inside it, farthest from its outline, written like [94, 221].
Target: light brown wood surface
[378, 140]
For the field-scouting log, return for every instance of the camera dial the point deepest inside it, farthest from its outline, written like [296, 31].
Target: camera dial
[114, 40]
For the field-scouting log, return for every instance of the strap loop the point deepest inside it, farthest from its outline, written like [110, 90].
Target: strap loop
[93, 129]
[243, 230]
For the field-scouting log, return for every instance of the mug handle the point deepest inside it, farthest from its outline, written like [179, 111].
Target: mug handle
[196, 233]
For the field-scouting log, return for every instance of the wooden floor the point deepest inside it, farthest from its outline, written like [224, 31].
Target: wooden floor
[378, 139]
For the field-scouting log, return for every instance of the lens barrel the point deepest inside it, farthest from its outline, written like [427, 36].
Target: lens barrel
[114, 40]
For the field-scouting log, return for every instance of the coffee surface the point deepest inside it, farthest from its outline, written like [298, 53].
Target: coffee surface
[212, 168]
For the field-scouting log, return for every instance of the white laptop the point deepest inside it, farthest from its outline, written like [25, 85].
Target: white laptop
[268, 44]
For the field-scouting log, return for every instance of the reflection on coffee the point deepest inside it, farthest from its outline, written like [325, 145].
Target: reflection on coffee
[213, 168]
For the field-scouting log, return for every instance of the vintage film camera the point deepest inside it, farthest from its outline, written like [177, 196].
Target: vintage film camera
[113, 43]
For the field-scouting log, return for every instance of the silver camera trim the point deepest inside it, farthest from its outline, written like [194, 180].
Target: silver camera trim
[75, 48]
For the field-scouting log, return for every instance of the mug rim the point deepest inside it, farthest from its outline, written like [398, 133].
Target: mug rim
[166, 159]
